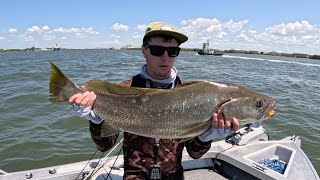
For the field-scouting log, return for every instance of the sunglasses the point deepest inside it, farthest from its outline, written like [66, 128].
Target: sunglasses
[159, 50]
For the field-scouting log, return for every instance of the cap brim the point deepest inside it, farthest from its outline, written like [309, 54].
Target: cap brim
[180, 37]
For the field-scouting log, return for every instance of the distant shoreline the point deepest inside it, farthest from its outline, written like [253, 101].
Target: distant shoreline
[293, 55]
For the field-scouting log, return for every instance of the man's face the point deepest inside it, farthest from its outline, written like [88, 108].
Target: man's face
[159, 67]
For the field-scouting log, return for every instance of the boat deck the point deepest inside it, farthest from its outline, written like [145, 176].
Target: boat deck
[229, 161]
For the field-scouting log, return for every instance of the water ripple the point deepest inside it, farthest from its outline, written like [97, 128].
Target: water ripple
[36, 133]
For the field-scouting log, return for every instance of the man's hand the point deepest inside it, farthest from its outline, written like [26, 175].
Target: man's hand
[82, 105]
[85, 99]
[220, 122]
[221, 127]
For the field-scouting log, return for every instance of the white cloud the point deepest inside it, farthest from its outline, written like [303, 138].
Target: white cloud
[77, 31]
[243, 37]
[28, 38]
[235, 26]
[33, 29]
[299, 27]
[45, 28]
[207, 28]
[120, 27]
[142, 27]
[214, 28]
[201, 24]
[49, 37]
[222, 35]
[201, 27]
[12, 30]
[310, 37]
[114, 36]
[251, 31]
[290, 28]
[227, 34]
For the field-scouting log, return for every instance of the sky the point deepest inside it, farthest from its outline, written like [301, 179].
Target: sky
[289, 26]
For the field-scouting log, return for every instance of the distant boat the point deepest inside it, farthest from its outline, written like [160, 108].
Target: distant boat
[206, 51]
[56, 47]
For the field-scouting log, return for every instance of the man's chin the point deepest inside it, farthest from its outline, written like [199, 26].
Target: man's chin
[163, 75]
[165, 69]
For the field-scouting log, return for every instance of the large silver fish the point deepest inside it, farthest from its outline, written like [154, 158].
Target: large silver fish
[180, 113]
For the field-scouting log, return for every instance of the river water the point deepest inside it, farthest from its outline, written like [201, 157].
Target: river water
[35, 133]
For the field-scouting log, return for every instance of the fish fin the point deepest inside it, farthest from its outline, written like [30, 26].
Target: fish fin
[187, 83]
[60, 86]
[108, 130]
[200, 127]
[104, 87]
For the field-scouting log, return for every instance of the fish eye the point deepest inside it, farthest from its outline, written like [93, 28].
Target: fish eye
[259, 103]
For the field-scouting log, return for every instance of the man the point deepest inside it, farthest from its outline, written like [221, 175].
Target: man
[143, 156]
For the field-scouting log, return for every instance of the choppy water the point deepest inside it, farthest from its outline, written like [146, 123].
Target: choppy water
[35, 133]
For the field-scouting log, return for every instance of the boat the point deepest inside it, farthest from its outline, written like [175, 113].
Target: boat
[56, 47]
[206, 51]
[245, 154]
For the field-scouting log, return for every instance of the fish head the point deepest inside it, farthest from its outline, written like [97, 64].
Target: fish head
[248, 108]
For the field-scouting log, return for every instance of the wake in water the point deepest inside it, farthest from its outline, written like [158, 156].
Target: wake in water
[271, 60]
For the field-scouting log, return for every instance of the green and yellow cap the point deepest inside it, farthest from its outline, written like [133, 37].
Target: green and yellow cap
[159, 28]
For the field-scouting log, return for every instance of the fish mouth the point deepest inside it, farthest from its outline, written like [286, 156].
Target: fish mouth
[268, 112]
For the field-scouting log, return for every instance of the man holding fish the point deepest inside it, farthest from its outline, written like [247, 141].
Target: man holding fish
[155, 156]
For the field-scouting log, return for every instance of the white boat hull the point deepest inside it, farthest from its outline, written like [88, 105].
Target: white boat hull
[228, 161]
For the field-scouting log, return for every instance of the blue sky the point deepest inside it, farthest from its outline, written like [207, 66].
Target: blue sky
[291, 26]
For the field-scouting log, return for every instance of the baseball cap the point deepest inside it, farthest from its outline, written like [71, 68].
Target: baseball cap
[159, 28]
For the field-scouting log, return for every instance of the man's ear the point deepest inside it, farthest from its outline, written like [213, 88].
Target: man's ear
[143, 50]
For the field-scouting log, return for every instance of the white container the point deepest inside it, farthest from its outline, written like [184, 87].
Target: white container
[284, 153]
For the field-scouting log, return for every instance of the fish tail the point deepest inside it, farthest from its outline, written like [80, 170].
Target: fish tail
[60, 86]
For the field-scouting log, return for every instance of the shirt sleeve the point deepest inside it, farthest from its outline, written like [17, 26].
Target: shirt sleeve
[87, 113]
[196, 148]
[102, 143]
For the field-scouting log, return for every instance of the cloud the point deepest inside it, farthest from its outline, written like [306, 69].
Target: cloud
[141, 27]
[78, 32]
[49, 37]
[28, 38]
[82, 30]
[235, 26]
[12, 30]
[222, 35]
[37, 29]
[138, 35]
[296, 36]
[33, 29]
[290, 28]
[120, 27]
[251, 31]
[227, 34]
[213, 25]
[300, 27]
[45, 28]
[205, 28]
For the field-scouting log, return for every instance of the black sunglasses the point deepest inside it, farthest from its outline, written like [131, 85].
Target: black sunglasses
[159, 50]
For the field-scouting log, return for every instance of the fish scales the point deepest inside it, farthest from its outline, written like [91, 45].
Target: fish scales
[168, 113]
[179, 113]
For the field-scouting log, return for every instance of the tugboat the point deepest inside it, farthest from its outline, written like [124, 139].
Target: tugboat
[206, 51]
